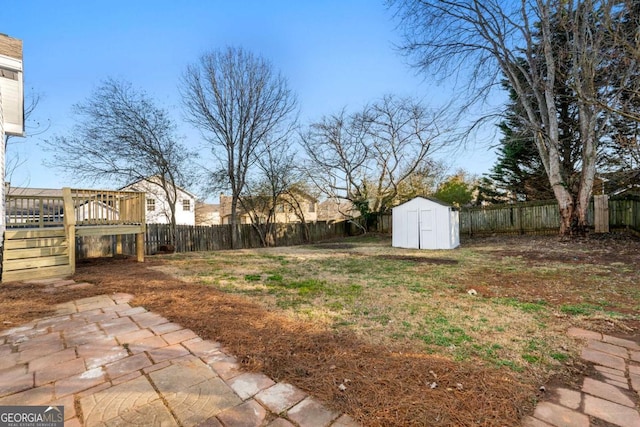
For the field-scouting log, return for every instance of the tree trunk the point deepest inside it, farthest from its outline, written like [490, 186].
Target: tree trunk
[567, 211]
[234, 222]
[173, 232]
[587, 176]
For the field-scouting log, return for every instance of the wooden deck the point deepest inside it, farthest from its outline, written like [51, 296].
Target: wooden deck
[42, 228]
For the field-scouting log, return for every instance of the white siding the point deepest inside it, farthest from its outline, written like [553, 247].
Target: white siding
[2, 166]
[12, 95]
[162, 212]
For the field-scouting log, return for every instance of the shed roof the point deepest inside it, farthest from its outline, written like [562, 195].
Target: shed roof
[430, 199]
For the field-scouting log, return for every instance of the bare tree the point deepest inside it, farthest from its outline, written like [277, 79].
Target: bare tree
[123, 136]
[275, 173]
[477, 40]
[365, 157]
[238, 103]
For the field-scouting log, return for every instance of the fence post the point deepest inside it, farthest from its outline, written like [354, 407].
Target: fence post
[69, 226]
[143, 226]
[601, 213]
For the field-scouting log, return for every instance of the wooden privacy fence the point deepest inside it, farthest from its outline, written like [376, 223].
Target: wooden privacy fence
[541, 217]
[211, 238]
[528, 218]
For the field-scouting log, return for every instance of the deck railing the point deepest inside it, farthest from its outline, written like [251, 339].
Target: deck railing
[88, 207]
[34, 211]
[105, 207]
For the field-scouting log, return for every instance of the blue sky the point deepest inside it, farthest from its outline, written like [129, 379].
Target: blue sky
[335, 54]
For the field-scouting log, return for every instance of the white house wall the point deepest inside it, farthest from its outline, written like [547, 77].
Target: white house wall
[2, 166]
[12, 96]
[162, 212]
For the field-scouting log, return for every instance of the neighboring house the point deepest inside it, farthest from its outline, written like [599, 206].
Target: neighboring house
[618, 183]
[157, 206]
[225, 212]
[207, 214]
[306, 207]
[333, 210]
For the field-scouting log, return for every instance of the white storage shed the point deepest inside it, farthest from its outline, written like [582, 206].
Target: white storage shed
[423, 223]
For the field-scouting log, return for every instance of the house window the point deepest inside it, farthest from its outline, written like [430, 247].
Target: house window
[186, 205]
[151, 205]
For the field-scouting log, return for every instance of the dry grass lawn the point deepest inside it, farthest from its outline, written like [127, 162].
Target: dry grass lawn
[390, 336]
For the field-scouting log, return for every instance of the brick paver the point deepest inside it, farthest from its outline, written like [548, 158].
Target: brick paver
[108, 404]
[58, 371]
[635, 382]
[179, 336]
[126, 366]
[80, 382]
[248, 384]
[152, 414]
[311, 413]
[605, 359]
[148, 319]
[280, 422]
[167, 353]
[201, 348]
[280, 397]
[560, 416]
[148, 344]
[611, 412]
[609, 348]
[247, 414]
[606, 391]
[163, 328]
[569, 398]
[202, 401]
[226, 366]
[32, 396]
[583, 334]
[631, 345]
[612, 375]
[345, 421]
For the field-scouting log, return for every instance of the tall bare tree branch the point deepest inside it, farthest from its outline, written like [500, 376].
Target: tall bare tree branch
[123, 136]
[237, 102]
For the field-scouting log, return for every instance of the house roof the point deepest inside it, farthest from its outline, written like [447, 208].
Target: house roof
[615, 183]
[150, 181]
[25, 191]
[206, 208]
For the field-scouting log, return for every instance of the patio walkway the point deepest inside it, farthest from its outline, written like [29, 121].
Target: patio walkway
[110, 364]
[609, 396]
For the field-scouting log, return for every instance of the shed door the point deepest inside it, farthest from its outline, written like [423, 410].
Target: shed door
[428, 229]
[412, 234]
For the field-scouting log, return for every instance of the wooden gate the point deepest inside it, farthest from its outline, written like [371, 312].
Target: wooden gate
[601, 213]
